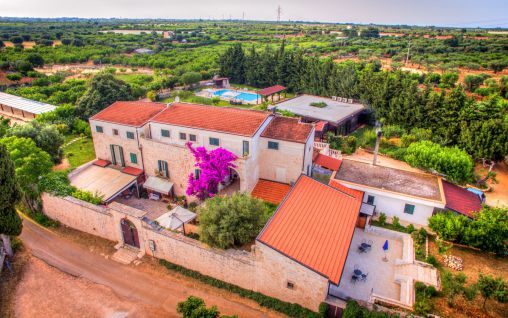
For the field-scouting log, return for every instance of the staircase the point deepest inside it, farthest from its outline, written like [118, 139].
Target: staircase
[125, 255]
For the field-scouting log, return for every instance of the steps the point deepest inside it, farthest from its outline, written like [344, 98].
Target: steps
[125, 255]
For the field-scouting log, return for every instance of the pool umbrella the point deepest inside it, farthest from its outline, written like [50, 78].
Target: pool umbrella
[385, 248]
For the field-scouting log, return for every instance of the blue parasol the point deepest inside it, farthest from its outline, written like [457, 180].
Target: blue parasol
[385, 248]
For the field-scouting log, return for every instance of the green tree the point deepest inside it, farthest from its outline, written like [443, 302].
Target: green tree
[103, 90]
[453, 285]
[190, 78]
[472, 82]
[448, 226]
[449, 79]
[10, 195]
[35, 59]
[492, 288]
[489, 230]
[4, 126]
[30, 163]
[231, 220]
[46, 137]
[194, 307]
[232, 64]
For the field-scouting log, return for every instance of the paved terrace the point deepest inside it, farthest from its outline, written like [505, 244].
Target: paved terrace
[425, 186]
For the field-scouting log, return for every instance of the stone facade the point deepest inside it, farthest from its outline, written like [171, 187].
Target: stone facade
[264, 270]
[149, 145]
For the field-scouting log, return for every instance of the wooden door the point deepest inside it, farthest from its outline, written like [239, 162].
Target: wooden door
[130, 233]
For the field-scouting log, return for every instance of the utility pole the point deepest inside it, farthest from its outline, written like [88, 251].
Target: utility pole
[279, 13]
[408, 48]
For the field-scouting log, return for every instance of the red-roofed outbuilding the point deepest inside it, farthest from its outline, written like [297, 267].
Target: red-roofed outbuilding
[461, 200]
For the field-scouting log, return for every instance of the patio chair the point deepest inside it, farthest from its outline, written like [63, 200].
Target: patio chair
[354, 279]
[363, 278]
[361, 249]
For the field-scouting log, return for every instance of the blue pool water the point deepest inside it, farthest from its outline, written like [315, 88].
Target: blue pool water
[227, 93]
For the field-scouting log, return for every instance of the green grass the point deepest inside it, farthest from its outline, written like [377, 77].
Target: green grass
[79, 152]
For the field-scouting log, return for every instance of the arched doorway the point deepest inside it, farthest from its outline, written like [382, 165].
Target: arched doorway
[129, 233]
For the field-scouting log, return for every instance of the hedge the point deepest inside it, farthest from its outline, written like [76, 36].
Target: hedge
[290, 309]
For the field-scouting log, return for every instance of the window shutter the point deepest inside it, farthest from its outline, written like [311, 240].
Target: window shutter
[113, 157]
[122, 160]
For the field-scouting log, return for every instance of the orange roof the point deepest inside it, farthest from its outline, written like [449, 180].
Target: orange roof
[222, 119]
[327, 162]
[270, 191]
[271, 90]
[286, 128]
[314, 226]
[134, 113]
[356, 193]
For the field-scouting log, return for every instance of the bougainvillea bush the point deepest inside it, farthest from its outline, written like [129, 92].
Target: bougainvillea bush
[214, 167]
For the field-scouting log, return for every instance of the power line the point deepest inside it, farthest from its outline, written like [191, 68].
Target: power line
[279, 13]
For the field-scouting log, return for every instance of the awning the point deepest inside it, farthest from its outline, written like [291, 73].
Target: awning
[175, 218]
[158, 185]
[106, 182]
[367, 208]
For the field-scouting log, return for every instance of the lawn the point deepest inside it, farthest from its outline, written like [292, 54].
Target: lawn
[475, 262]
[78, 152]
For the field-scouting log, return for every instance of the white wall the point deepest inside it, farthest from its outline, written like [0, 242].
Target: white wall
[392, 204]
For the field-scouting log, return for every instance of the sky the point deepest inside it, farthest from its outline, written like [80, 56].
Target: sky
[460, 13]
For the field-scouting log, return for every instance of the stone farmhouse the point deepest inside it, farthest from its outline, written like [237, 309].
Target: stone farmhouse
[149, 139]
[317, 247]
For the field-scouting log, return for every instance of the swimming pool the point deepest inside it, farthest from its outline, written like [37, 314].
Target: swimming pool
[231, 94]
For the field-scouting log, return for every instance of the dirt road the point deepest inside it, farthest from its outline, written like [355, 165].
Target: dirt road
[144, 292]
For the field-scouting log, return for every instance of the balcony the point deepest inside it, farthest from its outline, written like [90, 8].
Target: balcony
[324, 149]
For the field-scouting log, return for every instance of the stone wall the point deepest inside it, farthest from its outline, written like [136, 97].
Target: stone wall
[80, 215]
[264, 270]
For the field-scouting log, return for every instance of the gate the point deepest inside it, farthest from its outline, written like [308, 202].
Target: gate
[129, 233]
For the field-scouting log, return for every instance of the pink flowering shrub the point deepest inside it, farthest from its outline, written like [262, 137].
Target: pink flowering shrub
[214, 166]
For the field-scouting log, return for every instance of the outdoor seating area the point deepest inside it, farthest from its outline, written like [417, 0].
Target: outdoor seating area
[370, 268]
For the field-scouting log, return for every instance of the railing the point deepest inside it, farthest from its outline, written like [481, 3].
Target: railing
[324, 148]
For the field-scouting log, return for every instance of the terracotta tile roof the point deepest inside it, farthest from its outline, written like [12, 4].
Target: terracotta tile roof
[132, 171]
[286, 128]
[314, 226]
[461, 200]
[132, 113]
[222, 119]
[270, 191]
[271, 90]
[101, 163]
[320, 125]
[356, 193]
[327, 162]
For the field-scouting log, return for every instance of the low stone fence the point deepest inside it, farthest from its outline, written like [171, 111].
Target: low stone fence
[80, 215]
[264, 270]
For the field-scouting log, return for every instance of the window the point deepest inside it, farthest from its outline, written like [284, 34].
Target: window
[409, 209]
[290, 285]
[197, 173]
[99, 129]
[115, 132]
[245, 148]
[273, 145]
[163, 168]
[192, 137]
[130, 135]
[214, 141]
[165, 133]
[370, 199]
[183, 136]
[134, 158]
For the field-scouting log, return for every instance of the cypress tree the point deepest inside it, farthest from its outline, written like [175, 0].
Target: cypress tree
[10, 195]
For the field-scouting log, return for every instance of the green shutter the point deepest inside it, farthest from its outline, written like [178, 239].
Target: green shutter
[122, 159]
[134, 158]
[113, 157]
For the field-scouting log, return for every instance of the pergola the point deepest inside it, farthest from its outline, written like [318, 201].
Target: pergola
[271, 91]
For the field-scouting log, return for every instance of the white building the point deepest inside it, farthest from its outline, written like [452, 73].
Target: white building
[21, 109]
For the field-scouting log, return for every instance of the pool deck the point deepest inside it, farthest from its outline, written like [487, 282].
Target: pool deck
[209, 93]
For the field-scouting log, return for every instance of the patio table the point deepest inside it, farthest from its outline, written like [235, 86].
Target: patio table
[357, 272]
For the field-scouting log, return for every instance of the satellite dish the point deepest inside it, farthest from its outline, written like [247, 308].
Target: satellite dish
[177, 99]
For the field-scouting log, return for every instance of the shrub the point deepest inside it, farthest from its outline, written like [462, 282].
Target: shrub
[456, 164]
[452, 285]
[423, 304]
[318, 104]
[195, 307]
[14, 77]
[390, 131]
[87, 196]
[448, 226]
[432, 260]
[290, 309]
[56, 183]
[231, 220]
[407, 139]
[492, 288]
[396, 222]
[382, 218]
[489, 230]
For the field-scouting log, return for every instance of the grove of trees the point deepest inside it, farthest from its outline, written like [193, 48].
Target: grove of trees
[396, 97]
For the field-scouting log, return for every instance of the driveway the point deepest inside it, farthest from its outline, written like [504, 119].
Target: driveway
[157, 289]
